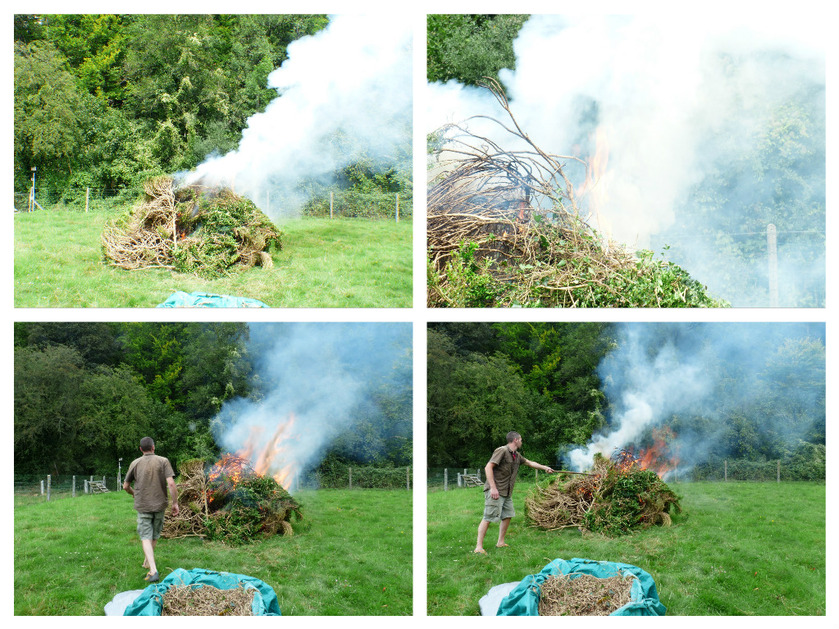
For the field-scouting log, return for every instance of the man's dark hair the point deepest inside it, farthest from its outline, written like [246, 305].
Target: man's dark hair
[146, 444]
[512, 436]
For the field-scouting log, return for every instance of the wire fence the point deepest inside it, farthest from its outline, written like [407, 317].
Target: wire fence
[446, 479]
[48, 487]
[335, 204]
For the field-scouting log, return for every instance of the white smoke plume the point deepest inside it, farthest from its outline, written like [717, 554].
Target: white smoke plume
[656, 87]
[713, 372]
[311, 381]
[349, 84]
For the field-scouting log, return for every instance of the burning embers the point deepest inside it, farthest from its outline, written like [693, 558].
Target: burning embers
[614, 498]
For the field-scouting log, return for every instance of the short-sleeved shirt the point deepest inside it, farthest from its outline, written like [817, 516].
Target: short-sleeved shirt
[506, 468]
[149, 474]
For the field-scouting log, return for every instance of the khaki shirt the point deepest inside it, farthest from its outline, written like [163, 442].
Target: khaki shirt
[149, 474]
[505, 470]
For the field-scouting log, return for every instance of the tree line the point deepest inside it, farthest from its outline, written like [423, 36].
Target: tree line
[107, 101]
[546, 381]
[86, 393]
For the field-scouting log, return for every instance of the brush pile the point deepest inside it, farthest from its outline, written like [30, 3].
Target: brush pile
[504, 228]
[191, 229]
[583, 594]
[616, 498]
[206, 600]
[230, 502]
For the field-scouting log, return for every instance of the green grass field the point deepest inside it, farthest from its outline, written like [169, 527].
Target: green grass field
[737, 549]
[350, 555]
[346, 263]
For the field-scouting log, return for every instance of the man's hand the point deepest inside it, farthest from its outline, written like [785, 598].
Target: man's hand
[175, 509]
[493, 493]
[549, 470]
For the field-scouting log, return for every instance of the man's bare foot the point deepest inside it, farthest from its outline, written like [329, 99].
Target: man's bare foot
[480, 551]
[502, 545]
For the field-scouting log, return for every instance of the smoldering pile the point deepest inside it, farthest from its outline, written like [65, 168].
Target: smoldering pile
[230, 502]
[206, 600]
[191, 229]
[583, 594]
[615, 498]
[504, 228]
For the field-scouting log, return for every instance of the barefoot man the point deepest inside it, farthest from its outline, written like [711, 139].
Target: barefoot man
[151, 474]
[501, 474]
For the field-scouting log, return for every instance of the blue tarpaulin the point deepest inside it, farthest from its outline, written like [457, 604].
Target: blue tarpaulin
[181, 299]
[150, 602]
[523, 600]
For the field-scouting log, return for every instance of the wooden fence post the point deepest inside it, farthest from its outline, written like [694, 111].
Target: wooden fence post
[86, 199]
[408, 478]
[445, 479]
[74, 487]
[397, 207]
[331, 202]
[42, 488]
[725, 470]
[779, 471]
[49, 486]
[349, 469]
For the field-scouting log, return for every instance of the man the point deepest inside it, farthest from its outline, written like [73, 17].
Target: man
[501, 472]
[151, 474]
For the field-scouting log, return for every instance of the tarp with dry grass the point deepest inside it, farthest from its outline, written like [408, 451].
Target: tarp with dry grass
[191, 229]
[505, 228]
[584, 587]
[614, 498]
[229, 502]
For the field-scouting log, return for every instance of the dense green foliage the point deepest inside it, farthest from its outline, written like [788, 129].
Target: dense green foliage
[107, 101]
[554, 383]
[468, 47]
[86, 393]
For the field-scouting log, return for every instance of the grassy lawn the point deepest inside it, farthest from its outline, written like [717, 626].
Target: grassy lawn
[737, 549]
[351, 555]
[346, 263]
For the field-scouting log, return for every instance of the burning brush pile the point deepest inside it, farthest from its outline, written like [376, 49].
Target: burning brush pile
[504, 228]
[616, 497]
[230, 502]
[191, 229]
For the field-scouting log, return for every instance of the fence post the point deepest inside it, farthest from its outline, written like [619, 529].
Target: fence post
[408, 478]
[537, 475]
[49, 486]
[86, 199]
[86, 487]
[459, 479]
[349, 469]
[397, 207]
[42, 488]
[445, 479]
[74, 487]
[331, 202]
[779, 471]
[725, 470]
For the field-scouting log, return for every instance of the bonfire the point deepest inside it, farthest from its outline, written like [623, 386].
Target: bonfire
[505, 228]
[616, 497]
[191, 229]
[230, 502]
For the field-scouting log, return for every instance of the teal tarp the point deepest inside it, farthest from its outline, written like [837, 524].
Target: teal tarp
[181, 299]
[150, 602]
[524, 599]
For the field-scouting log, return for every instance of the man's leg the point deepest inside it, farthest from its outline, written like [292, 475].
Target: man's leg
[153, 546]
[502, 531]
[148, 551]
[482, 531]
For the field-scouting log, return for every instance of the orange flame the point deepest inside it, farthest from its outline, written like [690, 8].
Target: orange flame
[658, 457]
[272, 457]
[594, 187]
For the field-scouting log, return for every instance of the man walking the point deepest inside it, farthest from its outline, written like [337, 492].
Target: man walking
[501, 472]
[151, 474]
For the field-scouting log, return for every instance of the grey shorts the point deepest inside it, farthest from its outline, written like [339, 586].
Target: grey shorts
[499, 509]
[149, 525]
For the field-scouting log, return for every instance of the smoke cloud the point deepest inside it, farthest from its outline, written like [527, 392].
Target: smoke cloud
[678, 100]
[700, 379]
[343, 93]
[312, 380]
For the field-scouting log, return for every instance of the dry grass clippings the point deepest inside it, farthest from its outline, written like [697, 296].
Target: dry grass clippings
[577, 594]
[206, 600]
